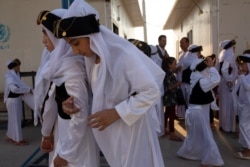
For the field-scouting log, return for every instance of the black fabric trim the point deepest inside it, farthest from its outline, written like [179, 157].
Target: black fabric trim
[76, 26]
[198, 96]
[13, 95]
[61, 95]
[230, 44]
[47, 19]
[243, 59]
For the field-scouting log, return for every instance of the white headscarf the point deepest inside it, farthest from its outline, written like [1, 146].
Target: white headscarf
[59, 66]
[226, 54]
[189, 57]
[113, 50]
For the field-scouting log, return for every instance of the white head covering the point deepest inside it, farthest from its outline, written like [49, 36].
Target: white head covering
[226, 54]
[196, 75]
[113, 51]
[189, 57]
[57, 66]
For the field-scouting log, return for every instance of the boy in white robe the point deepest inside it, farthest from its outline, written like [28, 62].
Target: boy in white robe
[199, 143]
[125, 86]
[241, 94]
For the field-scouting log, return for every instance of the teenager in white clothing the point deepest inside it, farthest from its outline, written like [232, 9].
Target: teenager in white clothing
[75, 145]
[199, 143]
[241, 94]
[125, 86]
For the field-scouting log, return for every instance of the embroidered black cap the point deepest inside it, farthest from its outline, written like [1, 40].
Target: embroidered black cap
[76, 26]
[243, 59]
[47, 19]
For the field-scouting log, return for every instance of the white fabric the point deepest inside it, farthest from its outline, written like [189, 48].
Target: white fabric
[186, 63]
[227, 113]
[199, 143]
[75, 141]
[180, 109]
[159, 104]
[14, 84]
[42, 83]
[124, 70]
[242, 104]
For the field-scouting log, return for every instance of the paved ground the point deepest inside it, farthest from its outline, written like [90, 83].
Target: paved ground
[15, 156]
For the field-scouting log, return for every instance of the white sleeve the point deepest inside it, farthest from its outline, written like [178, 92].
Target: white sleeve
[15, 89]
[50, 113]
[78, 127]
[210, 82]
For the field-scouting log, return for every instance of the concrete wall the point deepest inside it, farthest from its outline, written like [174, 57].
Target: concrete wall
[20, 37]
[221, 19]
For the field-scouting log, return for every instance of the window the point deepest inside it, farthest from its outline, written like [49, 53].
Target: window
[115, 29]
[190, 36]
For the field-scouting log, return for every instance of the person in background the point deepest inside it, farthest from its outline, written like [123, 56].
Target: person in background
[162, 41]
[184, 44]
[199, 143]
[169, 98]
[241, 96]
[194, 51]
[125, 85]
[15, 88]
[229, 72]
[75, 144]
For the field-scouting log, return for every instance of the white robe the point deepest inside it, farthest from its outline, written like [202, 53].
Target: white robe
[199, 143]
[159, 104]
[242, 105]
[14, 106]
[131, 141]
[227, 113]
[180, 109]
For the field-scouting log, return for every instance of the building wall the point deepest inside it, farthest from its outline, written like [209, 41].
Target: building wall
[21, 37]
[221, 19]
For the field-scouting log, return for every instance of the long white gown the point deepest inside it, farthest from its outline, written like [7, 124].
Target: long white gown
[14, 84]
[199, 143]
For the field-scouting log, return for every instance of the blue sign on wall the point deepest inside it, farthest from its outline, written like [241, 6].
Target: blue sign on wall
[4, 36]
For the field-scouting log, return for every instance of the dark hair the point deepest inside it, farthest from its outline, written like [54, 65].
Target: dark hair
[161, 36]
[246, 51]
[201, 66]
[166, 62]
[14, 63]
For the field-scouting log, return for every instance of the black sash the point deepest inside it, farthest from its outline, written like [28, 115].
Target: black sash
[13, 95]
[61, 95]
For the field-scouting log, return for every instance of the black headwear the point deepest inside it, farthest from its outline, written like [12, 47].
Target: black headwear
[230, 44]
[76, 26]
[143, 46]
[14, 63]
[47, 19]
[243, 59]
